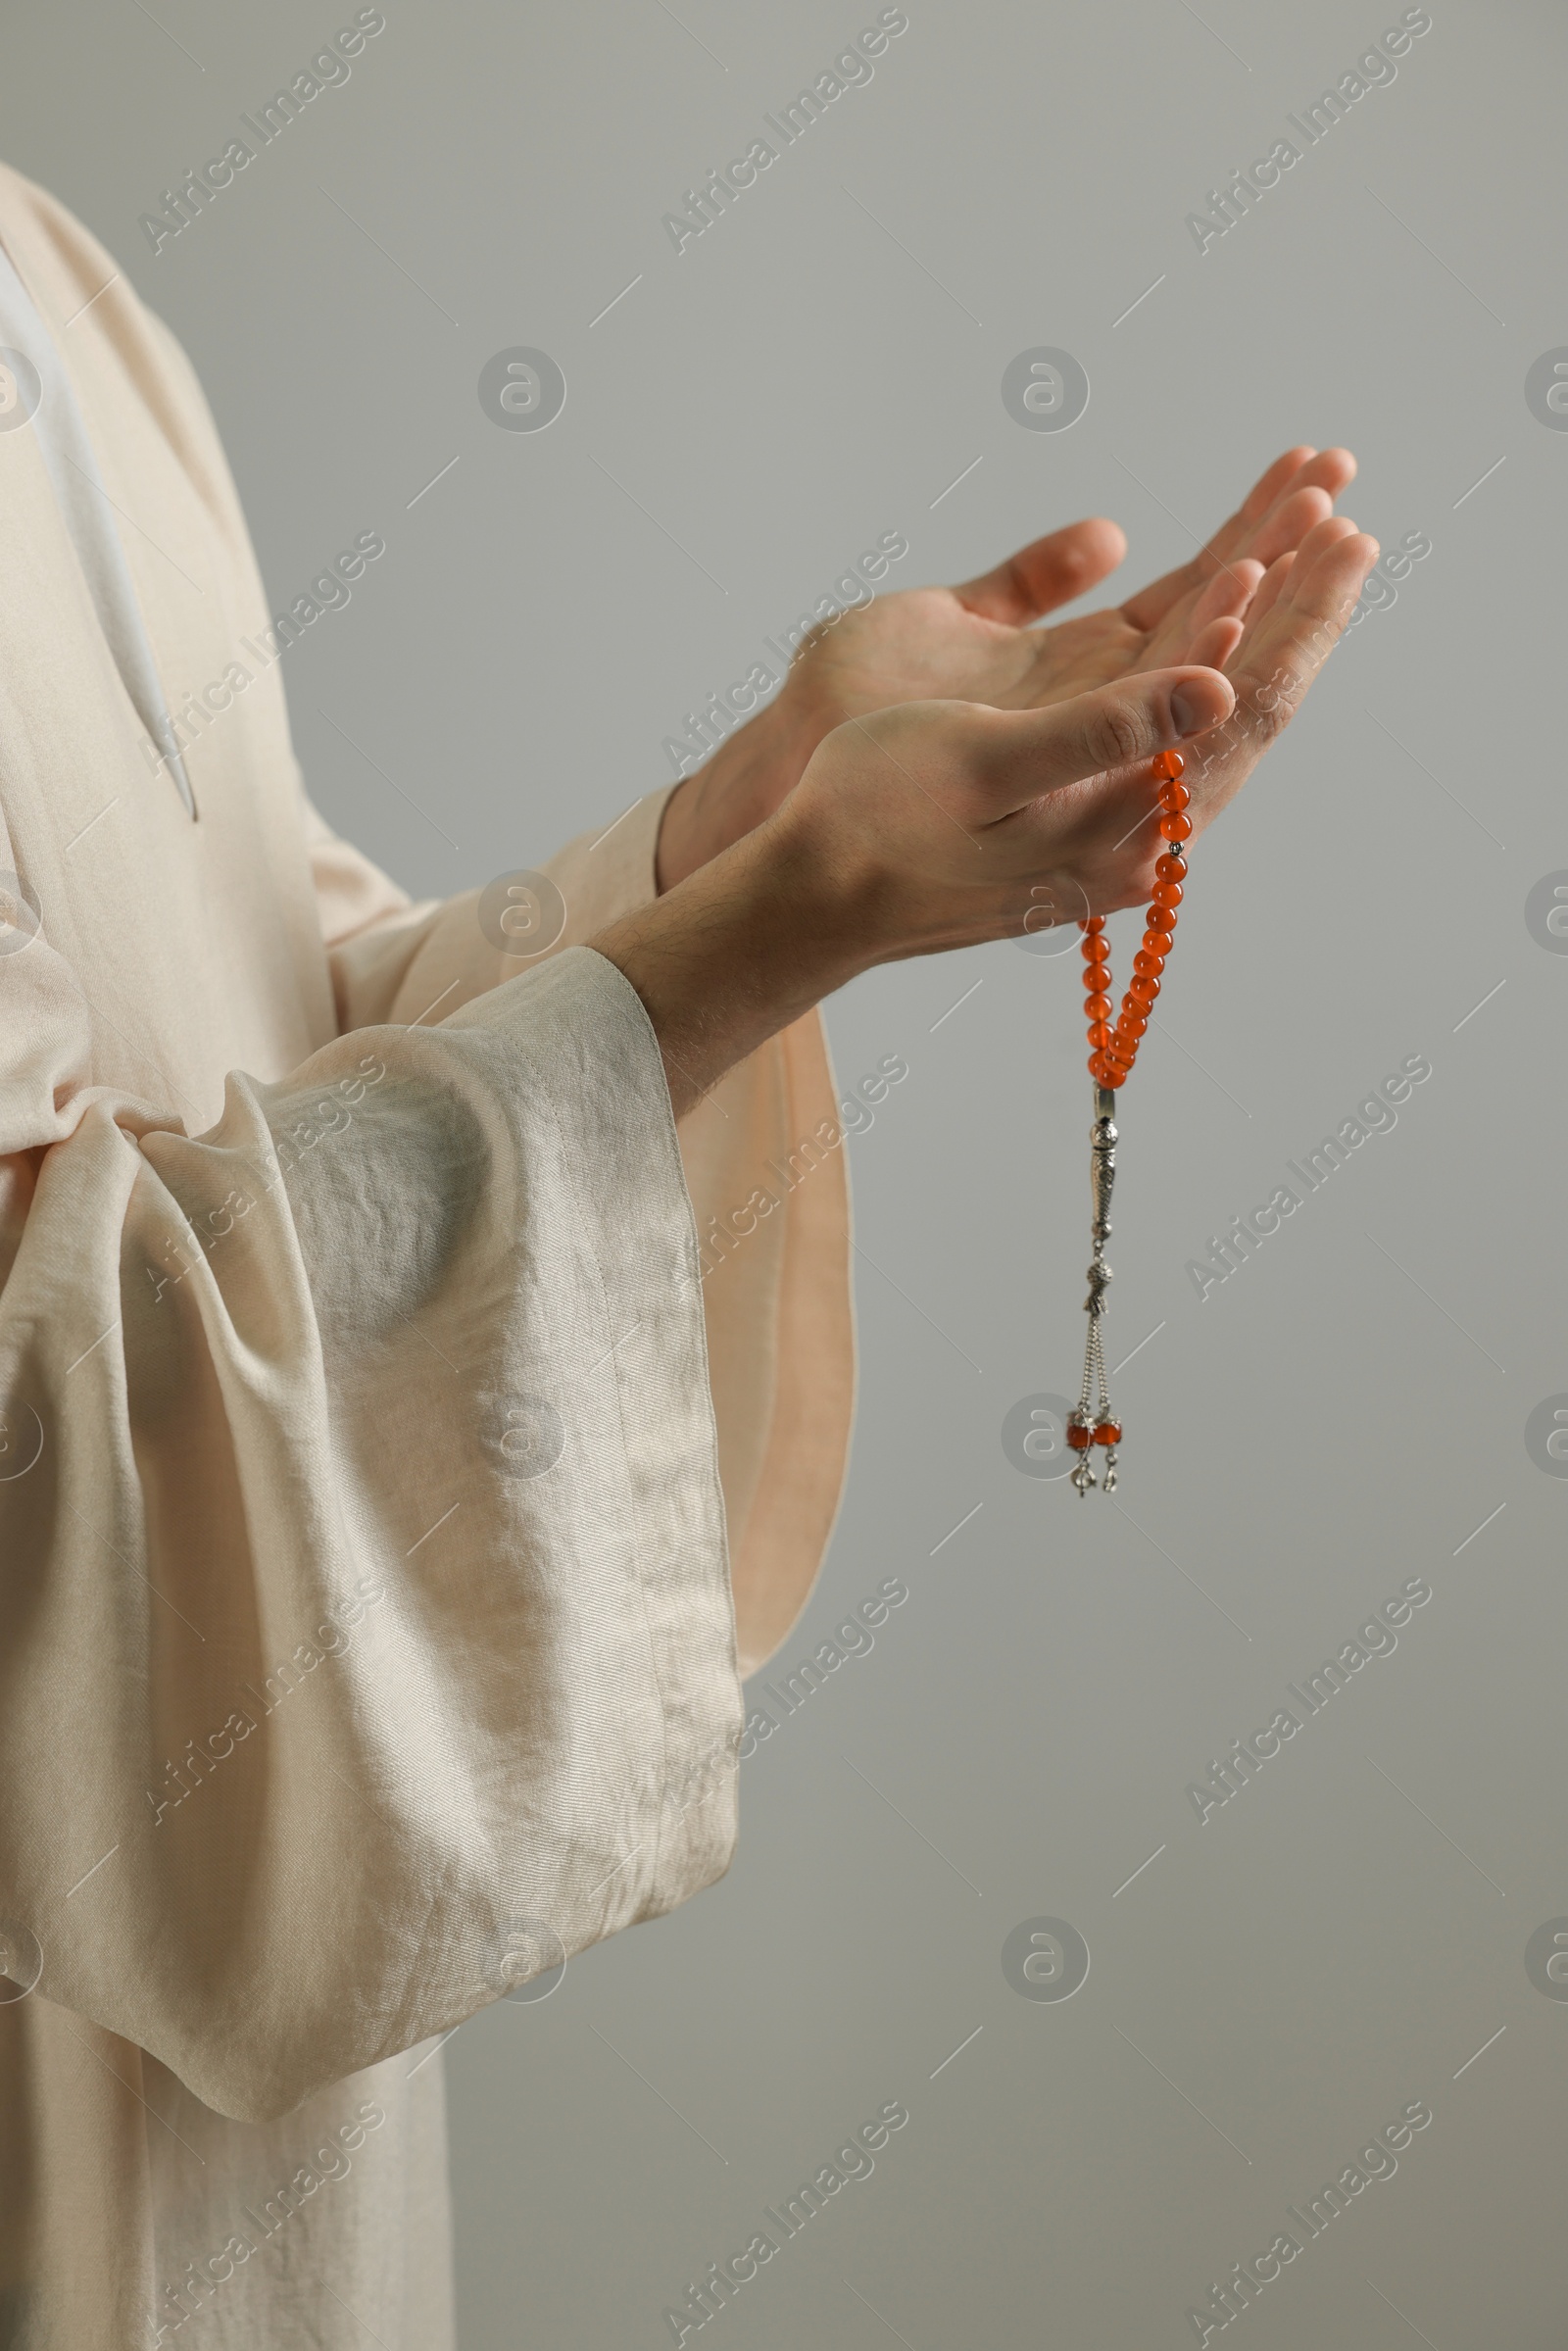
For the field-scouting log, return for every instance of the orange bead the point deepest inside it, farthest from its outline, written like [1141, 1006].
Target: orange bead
[1132, 1026]
[1169, 763]
[1174, 796]
[1107, 1431]
[1172, 867]
[1098, 1008]
[1092, 924]
[1167, 894]
[1100, 1033]
[1078, 1437]
[1147, 963]
[1161, 921]
[1176, 828]
[1096, 949]
[1114, 1077]
[1146, 987]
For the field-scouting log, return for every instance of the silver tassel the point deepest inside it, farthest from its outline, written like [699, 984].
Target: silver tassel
[1094, 1391]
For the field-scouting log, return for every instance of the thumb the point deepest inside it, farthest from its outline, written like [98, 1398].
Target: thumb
[1032, 752]
[1052, 570]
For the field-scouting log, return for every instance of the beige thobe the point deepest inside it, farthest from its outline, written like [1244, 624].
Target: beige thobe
[363, 1554]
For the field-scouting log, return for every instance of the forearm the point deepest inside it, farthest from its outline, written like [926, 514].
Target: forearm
[734, 954]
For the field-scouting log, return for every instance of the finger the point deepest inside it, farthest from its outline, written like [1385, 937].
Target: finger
[1327, 469]
[1303, 590]
[1310, 610]
[1162, 597]
[1262, 525]
[1326, 534]
[1048, 572]
[1229, 593]
[1287, 524]
[1151, 604]
[1213, 644]
[1269, 593]
[1331, 469]
[1025, 753]
[1273, 479]
[1293, 514]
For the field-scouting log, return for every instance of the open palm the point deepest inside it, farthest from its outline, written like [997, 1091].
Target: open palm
[974, 643]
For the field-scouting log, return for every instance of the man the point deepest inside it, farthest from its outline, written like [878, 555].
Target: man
[370, 1617]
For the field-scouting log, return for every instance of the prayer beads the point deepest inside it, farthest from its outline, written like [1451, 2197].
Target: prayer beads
[1111, 1055]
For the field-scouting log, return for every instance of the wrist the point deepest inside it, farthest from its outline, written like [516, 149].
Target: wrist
[738, 789]
[738, 950]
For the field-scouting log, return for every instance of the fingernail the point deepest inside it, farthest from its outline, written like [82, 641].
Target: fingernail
[1189, 711]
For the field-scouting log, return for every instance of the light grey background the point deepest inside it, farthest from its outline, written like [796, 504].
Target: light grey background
[1338, 1416]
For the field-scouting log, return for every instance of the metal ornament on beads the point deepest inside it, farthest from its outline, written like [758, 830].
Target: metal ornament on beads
[1111, 1062]
[1091, 1423]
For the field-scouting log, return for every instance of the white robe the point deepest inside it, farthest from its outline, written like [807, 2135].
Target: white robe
[364, 1577]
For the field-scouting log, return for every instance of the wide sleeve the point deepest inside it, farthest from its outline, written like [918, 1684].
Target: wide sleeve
[763, 1158]
[365, 1588]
